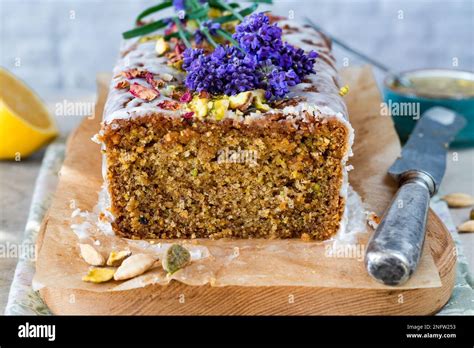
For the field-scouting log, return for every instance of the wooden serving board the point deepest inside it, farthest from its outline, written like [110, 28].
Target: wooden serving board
[375, 148]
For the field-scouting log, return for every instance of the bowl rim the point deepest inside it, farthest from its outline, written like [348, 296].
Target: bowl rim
[389, 86]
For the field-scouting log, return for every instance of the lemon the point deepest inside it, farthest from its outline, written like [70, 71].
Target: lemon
[25, 123]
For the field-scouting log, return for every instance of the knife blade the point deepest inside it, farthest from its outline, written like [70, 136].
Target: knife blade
[394, 250]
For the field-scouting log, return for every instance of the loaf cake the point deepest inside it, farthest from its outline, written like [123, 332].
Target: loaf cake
[182, 161]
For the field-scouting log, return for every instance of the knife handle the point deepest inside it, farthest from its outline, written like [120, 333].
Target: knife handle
[394, 250]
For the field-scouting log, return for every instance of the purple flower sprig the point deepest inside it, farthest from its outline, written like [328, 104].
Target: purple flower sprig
[207, 26]
[258, 37]
[224, 71]
[263, 61]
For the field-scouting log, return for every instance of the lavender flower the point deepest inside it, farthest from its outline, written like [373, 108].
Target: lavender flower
[258, 37]
[212, 26]
[192, 58]
[266, 62]
[297, 60]
[209, 25]
[276, 81]
[224, 71]
[179, 5]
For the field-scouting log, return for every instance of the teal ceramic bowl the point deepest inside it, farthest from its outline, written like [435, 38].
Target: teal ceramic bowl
[407, 105]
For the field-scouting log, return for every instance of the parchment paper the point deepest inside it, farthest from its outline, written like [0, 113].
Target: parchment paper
[230, 262]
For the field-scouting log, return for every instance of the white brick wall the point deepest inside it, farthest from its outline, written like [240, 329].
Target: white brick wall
[59, 50]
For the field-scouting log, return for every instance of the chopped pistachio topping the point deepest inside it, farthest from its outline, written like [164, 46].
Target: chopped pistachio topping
[259, 100]
[162, 46]
[241, 101]
[199, 106]
[218, 106]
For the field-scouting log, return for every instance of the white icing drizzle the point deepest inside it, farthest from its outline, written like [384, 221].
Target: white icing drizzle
[122, 105]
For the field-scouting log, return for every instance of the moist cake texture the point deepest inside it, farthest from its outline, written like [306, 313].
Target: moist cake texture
[277, 171]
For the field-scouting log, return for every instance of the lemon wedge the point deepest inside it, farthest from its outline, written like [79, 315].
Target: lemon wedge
[25, 123]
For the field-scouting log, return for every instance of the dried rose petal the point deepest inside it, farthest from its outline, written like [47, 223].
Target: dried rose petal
[172, 29]
[154, 83]
[150, 79]
[179, 48]
[177, 54]
[134, 73]
[169, 105]
[174, 58]
[122, 84]
[176, 94]
[143, 92]
[188, 115]
[204, 94]
[160, 83]
[186, 97]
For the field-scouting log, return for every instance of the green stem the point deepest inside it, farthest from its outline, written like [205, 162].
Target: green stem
[216, 4]
[229, 8]
[244, 12]
[209, 37]
[206, 33]
[182, 32]
[145, 29]
[229, 38]
[195, 4]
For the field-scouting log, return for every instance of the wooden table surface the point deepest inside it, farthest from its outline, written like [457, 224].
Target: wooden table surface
[17, 180]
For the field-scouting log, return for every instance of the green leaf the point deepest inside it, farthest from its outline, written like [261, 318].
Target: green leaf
[177, 34]
[169, 36]
[159, 7]
[243, 13]
[227, 36]
[216, 4]
[198, 13]
[146, 29]
[231, 9]
[260, 1]
[194, 4]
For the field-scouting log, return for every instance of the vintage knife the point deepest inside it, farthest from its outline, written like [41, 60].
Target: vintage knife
[395, 247]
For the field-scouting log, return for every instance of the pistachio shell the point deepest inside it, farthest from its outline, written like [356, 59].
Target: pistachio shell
[99, 275]
[467, 226]
[91, 256]
[116, 257]
[134, 266]
[458, 200]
